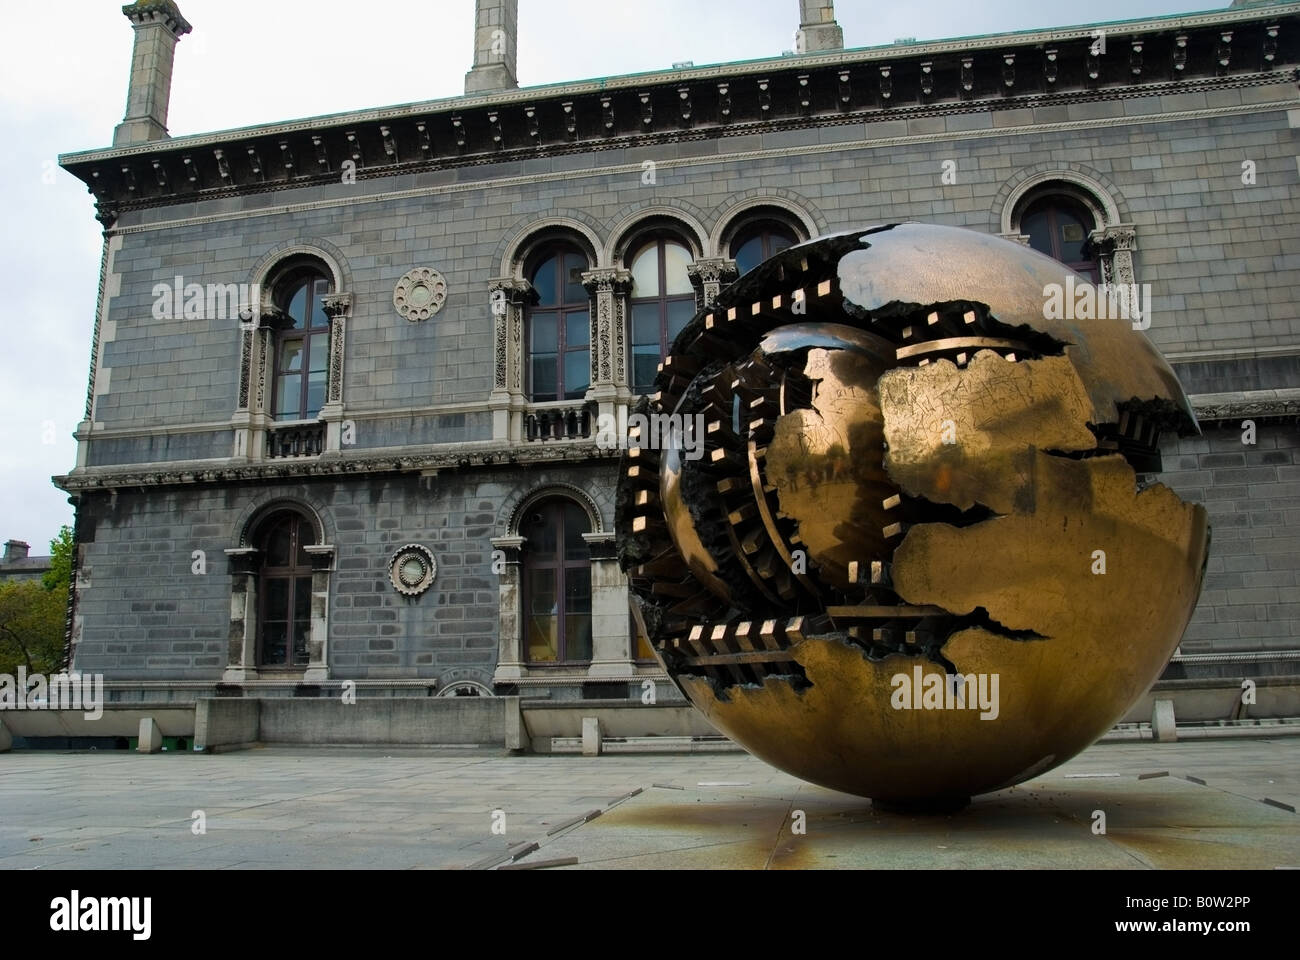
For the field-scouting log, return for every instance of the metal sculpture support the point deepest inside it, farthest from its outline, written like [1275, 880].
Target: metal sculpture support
[918, 556]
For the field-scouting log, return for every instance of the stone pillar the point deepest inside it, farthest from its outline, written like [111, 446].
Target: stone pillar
[609, 288]
[252, 417]
[508, 296]
[510, 661]
[158, 25]
[818, 31]
[611, 643]
[496, 42]
[241, 658]
[709, 276]
[336, 307]
[322, 562]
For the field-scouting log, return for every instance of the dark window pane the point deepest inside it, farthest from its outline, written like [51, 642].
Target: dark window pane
[315, 393]
[288, 400]
[277, 598]
[781, 241]
[749, 255]
[540, 533]
[291, 355]
[318, 317]
[679, 315]
[277, 545]
[544, 282]
[297, 308]
[577, 332]
[645, 323]
[543, 377]
[575, 265]
[645, 365]
[1036, 227]
[575, 525]
[302, 598]
[301, 631]
[543, 337]
[274, 646]
[577, 373]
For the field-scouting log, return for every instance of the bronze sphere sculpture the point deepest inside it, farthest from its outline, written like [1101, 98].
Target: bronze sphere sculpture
[913, 551]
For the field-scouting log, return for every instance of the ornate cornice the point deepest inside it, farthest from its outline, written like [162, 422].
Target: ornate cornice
[979, 75]
[1253, 403]
[331, 465]
[164, 11]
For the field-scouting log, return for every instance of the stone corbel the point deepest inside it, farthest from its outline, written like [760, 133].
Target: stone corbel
[336, 306]
[708, 276]
[1020, 238]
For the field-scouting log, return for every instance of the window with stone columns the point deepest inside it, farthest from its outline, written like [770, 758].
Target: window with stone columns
[1077, 223]
[292, 347]
[661, 303]
[279, 621]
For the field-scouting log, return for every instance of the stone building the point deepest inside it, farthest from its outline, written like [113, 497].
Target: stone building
[17, 563]
[346, 372]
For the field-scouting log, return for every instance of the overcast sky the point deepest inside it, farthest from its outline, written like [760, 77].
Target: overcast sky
[63, 85]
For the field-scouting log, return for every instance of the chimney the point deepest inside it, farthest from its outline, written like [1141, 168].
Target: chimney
[158, 25]
[818, 32]
[496, 29]
[15, 550]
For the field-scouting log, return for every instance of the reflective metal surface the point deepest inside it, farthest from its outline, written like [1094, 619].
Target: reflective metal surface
[914, 561]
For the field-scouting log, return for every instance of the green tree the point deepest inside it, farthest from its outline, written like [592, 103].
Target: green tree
[31, 627]
[33, 614]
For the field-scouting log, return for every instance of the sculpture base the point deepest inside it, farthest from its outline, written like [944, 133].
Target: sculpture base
[922, 805]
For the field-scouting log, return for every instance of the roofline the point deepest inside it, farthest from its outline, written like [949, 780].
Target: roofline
[711, 71]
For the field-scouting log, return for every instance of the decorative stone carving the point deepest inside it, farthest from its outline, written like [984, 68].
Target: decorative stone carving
[608, 286]
[508, 296]
[420, 294]
[708, 276]
[412, 569]
[1114, 246]
[336, 307]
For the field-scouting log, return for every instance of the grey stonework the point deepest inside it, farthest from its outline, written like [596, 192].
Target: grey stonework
[435, 410]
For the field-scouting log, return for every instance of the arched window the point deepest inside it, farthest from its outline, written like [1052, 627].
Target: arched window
[302, 346]
[662, 301]
[759, 240]
[1058, 226]
[558, 326]
[284, 589]
[557, 583]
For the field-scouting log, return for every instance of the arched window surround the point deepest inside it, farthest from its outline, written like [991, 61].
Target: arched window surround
[250, 579]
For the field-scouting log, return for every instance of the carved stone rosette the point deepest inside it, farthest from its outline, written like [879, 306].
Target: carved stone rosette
[336, 307]
[708, 277]
[609, 288]
[508, 296]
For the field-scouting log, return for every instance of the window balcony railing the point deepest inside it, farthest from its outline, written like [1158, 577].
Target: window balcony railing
[297, 440]
[560, 422]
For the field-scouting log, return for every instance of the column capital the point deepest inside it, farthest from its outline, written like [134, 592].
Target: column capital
[166, 12]
[243, 560]
[712, 270]
[614, 280]
[336, 304]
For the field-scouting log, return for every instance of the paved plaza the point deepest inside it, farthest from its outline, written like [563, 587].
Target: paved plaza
[1221, 803]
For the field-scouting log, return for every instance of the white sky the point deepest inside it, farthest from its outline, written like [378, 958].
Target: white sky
[63, 82]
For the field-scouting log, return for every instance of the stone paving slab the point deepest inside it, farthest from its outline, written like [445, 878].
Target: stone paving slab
[1191, 805]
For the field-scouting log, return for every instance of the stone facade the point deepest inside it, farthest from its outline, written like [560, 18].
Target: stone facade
[428, 437]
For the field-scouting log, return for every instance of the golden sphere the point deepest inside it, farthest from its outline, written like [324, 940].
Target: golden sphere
[889, 523]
